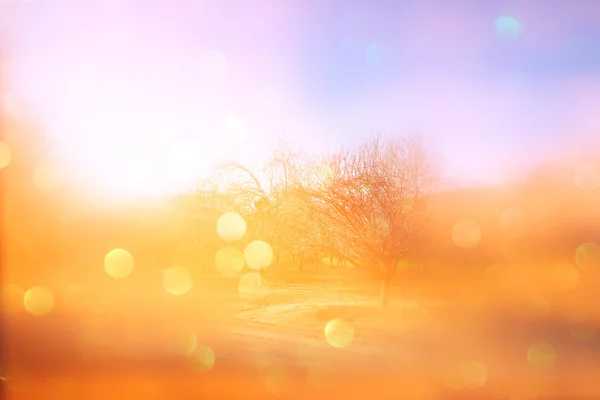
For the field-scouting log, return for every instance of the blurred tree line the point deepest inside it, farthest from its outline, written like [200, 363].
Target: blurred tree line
[375, 206]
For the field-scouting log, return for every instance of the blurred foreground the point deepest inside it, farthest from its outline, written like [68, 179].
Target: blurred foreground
[350, 275]
[435, 341]
[154, 246]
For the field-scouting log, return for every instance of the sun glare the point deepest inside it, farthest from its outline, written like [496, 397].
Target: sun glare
[137, 168]
[212, 200]
[47, 177]
[125, 145]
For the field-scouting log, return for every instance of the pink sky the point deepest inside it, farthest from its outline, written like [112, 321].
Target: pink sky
[303, 71]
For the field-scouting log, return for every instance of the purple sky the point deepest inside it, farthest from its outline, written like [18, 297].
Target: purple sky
[318, 72]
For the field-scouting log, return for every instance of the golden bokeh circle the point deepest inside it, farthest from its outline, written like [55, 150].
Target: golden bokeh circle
[192, 343]
[38, 301]
[339, 333]
[229, 260]
[5, 155]
[539, 306]
[177, 281]
[231, 227]
[202, 359]
[541, 355]
[325, 172]
[564, 277]
[475, 373]
[453, 379]
[258, 255]
[253, 287]
[587, 177]
[466, 233]
[118, 263]
[582, 333]
[466, 375]
[182, 342]
[587, 256]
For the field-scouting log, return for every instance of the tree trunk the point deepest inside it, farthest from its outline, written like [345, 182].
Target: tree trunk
[387, 277]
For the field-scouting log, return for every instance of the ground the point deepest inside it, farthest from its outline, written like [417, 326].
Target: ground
[275, 346]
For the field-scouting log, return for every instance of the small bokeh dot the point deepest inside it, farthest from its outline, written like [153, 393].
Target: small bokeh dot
[508, 27]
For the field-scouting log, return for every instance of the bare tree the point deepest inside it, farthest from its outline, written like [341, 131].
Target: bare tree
[367, 205]
[267, 198]
[204, 207]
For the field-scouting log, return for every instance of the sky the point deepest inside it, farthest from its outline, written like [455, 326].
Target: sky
[493, 86]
